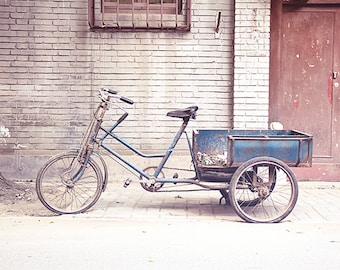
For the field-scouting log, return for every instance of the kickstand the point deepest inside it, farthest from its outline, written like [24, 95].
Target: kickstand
[225, 199]
[225, 196]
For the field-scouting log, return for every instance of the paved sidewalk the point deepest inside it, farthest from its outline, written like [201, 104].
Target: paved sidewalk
[318, 202]
[137, 230]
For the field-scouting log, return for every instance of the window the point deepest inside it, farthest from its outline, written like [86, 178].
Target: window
[122, 15]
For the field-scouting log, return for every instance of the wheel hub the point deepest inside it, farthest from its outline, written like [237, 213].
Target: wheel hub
[263, 192]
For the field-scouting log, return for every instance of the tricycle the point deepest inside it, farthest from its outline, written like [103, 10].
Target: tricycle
[250, 168]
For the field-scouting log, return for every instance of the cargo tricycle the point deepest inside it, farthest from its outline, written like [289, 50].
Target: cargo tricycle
[250, 168]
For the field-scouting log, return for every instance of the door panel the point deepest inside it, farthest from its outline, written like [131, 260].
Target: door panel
[304, 74]
[306, 101]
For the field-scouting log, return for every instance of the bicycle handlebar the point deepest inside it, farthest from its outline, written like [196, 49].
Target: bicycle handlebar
[127, 100]
[110, 91]
[114, 93]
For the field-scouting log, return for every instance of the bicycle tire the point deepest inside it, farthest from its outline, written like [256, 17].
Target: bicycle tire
[58, 193]
[263, 190]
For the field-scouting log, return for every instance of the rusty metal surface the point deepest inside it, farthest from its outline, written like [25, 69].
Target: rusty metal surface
[215, 149]
[145, 15]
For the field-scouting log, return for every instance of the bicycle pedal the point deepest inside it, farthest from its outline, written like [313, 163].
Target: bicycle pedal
[127, 183]
[175, 175]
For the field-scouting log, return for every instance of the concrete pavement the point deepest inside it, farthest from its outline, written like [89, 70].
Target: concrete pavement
[317, 202]
[133, 229]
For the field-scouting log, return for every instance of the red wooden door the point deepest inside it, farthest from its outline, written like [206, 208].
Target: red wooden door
[306, 94]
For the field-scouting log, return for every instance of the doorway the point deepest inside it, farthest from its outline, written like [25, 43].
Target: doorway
[304, 79]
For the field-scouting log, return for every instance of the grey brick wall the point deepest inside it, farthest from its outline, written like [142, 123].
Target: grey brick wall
[251, 72]
[51, 66]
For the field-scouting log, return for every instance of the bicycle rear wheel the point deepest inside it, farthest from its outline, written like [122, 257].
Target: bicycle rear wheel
[263, 190]
[65, 186]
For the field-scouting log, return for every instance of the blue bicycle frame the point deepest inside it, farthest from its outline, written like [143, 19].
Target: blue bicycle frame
[165, 156]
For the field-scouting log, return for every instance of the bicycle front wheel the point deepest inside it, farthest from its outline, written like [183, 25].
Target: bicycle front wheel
[65, 186]
[263, 190]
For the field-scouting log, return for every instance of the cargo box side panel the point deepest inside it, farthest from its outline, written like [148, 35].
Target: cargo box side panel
[215, 149]
[243, 150]
[210, 148]
[293, 152]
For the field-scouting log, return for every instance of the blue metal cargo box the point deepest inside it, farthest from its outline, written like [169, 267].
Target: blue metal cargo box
[231, 148]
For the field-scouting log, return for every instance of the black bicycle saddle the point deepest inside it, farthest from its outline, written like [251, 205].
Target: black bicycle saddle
[189, 112]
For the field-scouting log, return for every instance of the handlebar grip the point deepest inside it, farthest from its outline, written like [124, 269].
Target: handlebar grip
[110, 91]
[127, 100]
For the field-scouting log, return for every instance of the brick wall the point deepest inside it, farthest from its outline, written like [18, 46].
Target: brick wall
[51, 66]
[251, 73]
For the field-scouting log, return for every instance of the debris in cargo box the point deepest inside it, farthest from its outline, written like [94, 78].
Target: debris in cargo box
[211, 160]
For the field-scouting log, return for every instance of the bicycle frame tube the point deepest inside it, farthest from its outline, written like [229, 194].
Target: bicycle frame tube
[121, 158]
[171, 148]
[126, 144]
[164, 156]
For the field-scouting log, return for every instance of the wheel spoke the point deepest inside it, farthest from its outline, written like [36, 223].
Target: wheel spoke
[58, 191]
[263, 190]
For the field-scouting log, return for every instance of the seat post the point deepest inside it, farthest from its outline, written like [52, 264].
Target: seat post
[172, 146]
